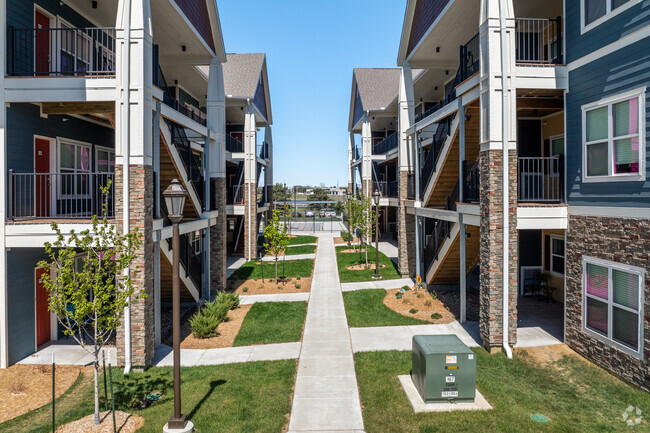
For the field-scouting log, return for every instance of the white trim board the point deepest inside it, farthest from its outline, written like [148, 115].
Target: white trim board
[542, 217]
[609, 49]
[614, 212]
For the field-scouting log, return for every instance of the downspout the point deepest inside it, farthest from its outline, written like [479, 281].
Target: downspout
[506, 183]
[126, 151]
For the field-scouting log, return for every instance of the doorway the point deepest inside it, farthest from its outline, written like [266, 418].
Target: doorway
[42, 178]
[42, 313]
[42, 44]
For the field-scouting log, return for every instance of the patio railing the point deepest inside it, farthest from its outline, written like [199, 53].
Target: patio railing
[541, 179]
[539, 40]
[386, 145]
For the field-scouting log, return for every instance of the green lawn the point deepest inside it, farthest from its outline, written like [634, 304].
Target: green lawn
[304, 249]
[299, 240]
[344, 260]
[249, 397]
[366, 308]
[292, 268]
[576, 397]
[272, 322]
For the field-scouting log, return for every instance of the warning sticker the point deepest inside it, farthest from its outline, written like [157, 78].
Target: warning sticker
[450, 393]
[450, 379]
[451, 359]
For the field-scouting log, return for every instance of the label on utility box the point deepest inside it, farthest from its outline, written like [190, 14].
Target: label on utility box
[450, 379]
[451, 359]
[450, 393]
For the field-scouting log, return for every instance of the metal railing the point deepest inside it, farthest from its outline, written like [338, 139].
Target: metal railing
[442, 132]
[63, 51]
[235, 194]
[471, 182]
[356, 153]
[265, 194]
[190, 261]
[470, 62]
[60, 195]
[539, 40]
[263, 150]
[393, 189]
[441, 232]
[386, 145]
[233, 144]
[541, 179]
[191, 161]
[381, 186]
[410, 187]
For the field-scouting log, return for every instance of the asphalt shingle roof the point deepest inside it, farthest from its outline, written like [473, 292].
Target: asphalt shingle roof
[378, 87]
[241, 74]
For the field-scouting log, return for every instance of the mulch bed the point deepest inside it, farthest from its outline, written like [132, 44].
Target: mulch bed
[125, 423]
[339, 241]
[226, 332]
[270, 286]
[24, 388]
[422, 301]
[363, 267]
[451, 300]
[352, 250]
[167, 326]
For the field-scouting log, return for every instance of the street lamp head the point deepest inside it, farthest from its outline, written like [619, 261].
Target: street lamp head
[375, 197]
[175, 196]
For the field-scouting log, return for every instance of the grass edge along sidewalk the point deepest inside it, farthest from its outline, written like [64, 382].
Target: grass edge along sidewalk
[272, 322]
[388, 272]
[365, 308]
[252, 270]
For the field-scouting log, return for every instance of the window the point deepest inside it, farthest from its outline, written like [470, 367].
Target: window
[613, 308]
[74, 166]
[105, 161]
[196, 241]
[76, 50]
[557, 256]
[613, 144]
[595, 12]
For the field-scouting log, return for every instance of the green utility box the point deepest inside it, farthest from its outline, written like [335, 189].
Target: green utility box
[444, 369]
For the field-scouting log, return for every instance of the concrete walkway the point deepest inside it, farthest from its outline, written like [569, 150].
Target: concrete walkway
[388, 247]
[326, 397]
[66, 353]
[233, 263]
[227, 355]
[379, 284]
[269, 258]
[281, 297]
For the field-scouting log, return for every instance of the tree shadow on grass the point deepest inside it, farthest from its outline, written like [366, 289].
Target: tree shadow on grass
[213, 385]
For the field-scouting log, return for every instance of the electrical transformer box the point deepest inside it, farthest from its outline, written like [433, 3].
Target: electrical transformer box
[444, 369]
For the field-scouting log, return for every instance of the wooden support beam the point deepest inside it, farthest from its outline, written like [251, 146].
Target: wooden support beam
[540, 104]
[78, 107]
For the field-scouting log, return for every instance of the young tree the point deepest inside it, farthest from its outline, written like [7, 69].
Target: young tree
[276, 239]
[89, 291]
[365, 219]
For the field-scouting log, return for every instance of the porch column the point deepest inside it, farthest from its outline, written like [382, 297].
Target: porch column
[366, 157]
[134, 180]
[268, 170]
[350, 161]
[405, 224]
[216, 235]
[462, 236]
[491, 162]
[4, 334]
[250, 184]
[157, 215]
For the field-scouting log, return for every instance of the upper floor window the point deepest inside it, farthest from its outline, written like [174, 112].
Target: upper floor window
[613, 304]
[595, 11]
[613, 138]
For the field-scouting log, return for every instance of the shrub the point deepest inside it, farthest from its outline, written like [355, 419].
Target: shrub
[132, 390]
[245, 289]
[231, 300]
[203, 326]
[346, 236]
[297, 285]
[298, 278]
[427, 303]
[436, 316]
[413, 311]
[406, 288]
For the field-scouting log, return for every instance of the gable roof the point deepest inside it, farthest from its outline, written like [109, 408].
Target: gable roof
[241, 74]
[377, 86]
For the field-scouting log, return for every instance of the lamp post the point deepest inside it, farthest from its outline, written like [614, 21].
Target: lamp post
[375, 199]
[349, 197]
[175, 196]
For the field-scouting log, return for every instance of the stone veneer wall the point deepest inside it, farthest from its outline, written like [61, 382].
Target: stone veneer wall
[621, 240]
[218, 238]
[250, 193]
[491, 256]
[405, 231]
[142, 310]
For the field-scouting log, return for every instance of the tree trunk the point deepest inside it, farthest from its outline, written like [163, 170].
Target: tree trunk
[276, 270]
[96, 365]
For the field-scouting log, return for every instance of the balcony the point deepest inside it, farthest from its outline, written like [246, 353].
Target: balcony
[541, 179]
[233, 145]
[539, 40]
[61, 52]
[471, 182]
[429, 167]
[235, 194]
[60, 195]
[265, 194]
[387, 189]
[191, 162]
[410, 187]
[386, 145]
[263, 150]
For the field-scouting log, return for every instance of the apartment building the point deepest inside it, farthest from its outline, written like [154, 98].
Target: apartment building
[87, 89]
[548, 158]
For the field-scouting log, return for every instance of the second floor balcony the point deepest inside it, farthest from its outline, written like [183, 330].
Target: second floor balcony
[386, 145]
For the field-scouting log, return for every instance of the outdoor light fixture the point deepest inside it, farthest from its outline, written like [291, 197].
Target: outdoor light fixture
[94, 4]
[183, 48]
[437, 49]
[175, 196]
[375, 198]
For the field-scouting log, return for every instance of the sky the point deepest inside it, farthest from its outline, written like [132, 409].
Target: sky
[312, 47]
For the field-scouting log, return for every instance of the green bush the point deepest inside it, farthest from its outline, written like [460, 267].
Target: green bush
[203, 326]
[229, 299]
[435, 316]
[413, 311]
[131, 391]
[346, 236]
[205, 321]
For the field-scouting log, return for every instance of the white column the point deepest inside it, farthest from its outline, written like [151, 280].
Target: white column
[350, 159]
[406, 118]
[250, 176]
[366, 155]
[268, 170]
[462, 236]
[4, 333]
[216, 120]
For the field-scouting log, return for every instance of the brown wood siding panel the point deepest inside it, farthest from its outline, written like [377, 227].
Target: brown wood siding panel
[426, 12]
[260, 98]
[197, 12]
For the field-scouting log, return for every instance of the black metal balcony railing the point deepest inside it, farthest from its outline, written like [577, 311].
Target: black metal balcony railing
[470, 63]
[79, 52]
[386, 145]
[356, 153]
[263, 150]
[410, 187]
[235, 194]
[539, 40]
[191, 161]
[442, 132]
[441, 232]
[541, 179]
[380, 186]
[265, 194]
[60, 195]
[233, 144]
[393, 189]
[168, 96]
[471, 182]
[190, 261]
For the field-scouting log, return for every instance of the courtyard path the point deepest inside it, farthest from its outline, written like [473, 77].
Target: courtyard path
[326, 397]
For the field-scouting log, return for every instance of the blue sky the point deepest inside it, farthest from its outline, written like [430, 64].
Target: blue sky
[312, 47]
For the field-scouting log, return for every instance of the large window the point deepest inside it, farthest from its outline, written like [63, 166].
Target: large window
[613, 304]
[613, 138]
[74, 166]
[595, 11]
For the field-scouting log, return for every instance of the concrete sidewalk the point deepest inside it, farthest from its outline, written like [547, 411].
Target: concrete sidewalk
[279, 297]
[227, 355]
[379, 284]
[66, 353]
[288, 258]
[326, 397]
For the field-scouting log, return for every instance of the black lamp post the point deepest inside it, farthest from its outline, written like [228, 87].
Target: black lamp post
[175, 196]
[375, 198]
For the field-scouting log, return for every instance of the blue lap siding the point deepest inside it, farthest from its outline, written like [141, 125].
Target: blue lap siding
[624, 70]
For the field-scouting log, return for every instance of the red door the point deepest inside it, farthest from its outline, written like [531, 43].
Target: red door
[42, 178]
[42, 314]
[42, 41]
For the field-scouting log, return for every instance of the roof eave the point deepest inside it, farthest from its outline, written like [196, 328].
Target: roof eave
[217, 34]
[402, 55]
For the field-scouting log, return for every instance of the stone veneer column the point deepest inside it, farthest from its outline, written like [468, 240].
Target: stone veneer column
[620, 240]
[405, 231]
[218, 233]
[491, 256]
[250, 221]
[142, 310]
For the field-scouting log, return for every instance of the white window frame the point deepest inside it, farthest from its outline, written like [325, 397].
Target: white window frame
[609, 340]
[609, 103]
[551, 254]
[76, 143]
[103, 149]
[584, 28]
